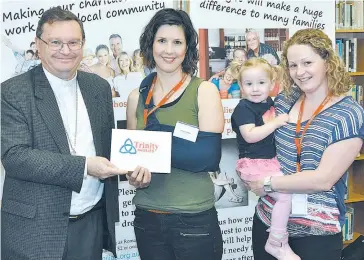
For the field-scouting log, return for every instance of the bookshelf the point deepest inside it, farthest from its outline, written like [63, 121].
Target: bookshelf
[355, 197]
[349, 30]
[356, 235]
[350, 35]
[359, 157]
[275, 38]
[350, 47]
[357, 73]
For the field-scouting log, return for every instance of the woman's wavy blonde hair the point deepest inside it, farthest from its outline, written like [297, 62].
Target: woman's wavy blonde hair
[338, 78]
[274, 72]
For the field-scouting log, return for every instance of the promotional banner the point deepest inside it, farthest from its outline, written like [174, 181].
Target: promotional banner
[111, 50]
[246, 29]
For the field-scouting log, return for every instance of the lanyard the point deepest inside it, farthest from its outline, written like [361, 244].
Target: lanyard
[298, 140]
[163, 100]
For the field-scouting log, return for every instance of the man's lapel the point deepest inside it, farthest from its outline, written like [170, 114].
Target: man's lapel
[48, 108]
[93, 103]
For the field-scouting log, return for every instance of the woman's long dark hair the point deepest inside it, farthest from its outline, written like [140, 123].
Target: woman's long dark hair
[170, 16]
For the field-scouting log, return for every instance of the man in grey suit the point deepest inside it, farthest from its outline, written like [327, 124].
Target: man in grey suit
[60, 197]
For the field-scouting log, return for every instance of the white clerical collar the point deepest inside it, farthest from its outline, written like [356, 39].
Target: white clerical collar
[55, 81]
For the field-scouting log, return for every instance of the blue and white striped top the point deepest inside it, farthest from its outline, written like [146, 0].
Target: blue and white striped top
[326, 210]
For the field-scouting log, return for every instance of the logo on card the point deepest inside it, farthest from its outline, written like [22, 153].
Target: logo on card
[128, 147]
[131, 147]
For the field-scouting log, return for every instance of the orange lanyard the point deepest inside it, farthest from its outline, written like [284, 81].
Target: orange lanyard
[298, 140]
[163, 100]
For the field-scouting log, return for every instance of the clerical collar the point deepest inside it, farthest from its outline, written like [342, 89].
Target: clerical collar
[58, 81]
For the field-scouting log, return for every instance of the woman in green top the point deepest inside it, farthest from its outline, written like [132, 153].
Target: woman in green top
[175, 217]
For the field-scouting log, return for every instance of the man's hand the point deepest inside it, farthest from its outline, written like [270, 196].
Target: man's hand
[140, 177]
[102, 168]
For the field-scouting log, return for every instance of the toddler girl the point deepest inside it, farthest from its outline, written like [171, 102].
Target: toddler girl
[254, 123]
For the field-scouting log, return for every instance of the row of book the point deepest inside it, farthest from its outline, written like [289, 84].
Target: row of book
[346, 196]
[347, 50]
[357, 93]
[349, 14]
[348, 228]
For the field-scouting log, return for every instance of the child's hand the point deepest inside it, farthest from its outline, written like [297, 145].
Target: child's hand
[281, 120]
[269, 115]
[215, 76]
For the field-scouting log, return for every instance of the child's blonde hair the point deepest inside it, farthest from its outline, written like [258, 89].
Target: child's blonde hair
[274, 72]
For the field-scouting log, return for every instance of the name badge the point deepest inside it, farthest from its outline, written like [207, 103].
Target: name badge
[299, 205]
[185, 131]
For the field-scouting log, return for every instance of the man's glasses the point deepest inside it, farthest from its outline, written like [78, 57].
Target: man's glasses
[57, 45]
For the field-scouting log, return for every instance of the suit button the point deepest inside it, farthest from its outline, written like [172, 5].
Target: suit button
[66, 214]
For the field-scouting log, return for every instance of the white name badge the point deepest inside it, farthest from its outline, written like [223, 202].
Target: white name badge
[299, 205]
[186, 131]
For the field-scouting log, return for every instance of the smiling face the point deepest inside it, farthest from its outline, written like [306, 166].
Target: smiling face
[138, 59]
[88, 60]
[239, 56]
[116, 46]
[252, 40]
[306, 68]
[103, 56]
[228, 78]
[256, 84]
[61, 63]
[124, 62]
[169, 48]
[28, 56]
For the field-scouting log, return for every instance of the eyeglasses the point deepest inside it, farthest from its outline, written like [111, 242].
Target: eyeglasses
[57, 45]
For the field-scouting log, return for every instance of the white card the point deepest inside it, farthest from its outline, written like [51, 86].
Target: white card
[186, 131]
[299, 205]
[149, 149]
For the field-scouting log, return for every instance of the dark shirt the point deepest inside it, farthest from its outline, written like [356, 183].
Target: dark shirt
[263, 49]
[247, 112]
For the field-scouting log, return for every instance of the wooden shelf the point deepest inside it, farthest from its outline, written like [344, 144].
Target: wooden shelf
[360, 157]
[349, 30]
[355, 236]
[354, 197]
[356, 73]
[355, 181]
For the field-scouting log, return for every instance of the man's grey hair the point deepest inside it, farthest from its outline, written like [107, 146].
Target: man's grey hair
[115, 35]
[251, 31]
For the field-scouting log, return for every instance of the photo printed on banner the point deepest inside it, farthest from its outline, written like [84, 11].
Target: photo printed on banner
[222, 51]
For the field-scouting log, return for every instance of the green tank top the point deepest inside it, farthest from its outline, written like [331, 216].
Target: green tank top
[179, 191]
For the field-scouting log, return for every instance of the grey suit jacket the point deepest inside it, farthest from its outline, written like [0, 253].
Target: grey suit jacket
[40, 172]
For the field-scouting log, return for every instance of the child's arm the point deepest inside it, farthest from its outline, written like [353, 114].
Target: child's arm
[11, 46]
[253, 134]
[217, 75]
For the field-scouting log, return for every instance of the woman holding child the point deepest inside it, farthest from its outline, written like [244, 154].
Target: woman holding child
[315, 148]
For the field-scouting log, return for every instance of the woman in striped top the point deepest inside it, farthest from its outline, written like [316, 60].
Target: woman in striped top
[321, 140]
